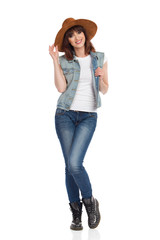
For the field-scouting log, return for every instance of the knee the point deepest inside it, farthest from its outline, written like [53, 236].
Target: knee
[75, 169]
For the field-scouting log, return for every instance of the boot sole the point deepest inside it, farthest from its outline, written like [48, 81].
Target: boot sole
[92, 227]
[76, 229]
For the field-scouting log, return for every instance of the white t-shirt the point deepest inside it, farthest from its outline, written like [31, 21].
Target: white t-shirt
[84, 99]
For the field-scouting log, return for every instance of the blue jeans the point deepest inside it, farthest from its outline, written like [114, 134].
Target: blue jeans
[75, 130]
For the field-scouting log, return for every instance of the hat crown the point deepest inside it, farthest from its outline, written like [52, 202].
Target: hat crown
[67, 21]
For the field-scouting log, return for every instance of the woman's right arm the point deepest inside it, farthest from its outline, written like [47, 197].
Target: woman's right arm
[59, 78]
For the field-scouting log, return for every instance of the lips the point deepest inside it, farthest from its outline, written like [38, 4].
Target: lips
[78, 42]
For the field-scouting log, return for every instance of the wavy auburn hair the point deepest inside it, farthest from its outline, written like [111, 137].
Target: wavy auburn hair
[68, 48]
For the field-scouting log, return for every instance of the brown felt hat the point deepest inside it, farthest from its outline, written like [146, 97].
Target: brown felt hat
[89, 26]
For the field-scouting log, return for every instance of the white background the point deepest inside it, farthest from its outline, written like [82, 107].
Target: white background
[123, 157]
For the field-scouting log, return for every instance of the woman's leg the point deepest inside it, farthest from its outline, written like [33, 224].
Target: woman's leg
[65, 129]
[75, 131]
[86, 124]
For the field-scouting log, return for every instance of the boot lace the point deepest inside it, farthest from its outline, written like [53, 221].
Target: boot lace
[75, 213]
[91, 208]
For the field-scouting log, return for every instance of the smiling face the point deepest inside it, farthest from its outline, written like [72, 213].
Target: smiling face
[77, 39]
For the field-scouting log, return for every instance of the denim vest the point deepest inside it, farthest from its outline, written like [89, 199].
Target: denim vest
[71, 71]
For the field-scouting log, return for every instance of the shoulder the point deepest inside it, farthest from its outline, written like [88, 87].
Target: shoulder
[62, 56]
[62, 59]
[100, 58]
[98, 54]
[103, 56]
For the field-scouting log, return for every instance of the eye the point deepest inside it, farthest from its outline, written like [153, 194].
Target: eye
[70, 35]
[79, 32]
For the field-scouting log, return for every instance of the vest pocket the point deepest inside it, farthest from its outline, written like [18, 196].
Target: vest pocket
[68, 71]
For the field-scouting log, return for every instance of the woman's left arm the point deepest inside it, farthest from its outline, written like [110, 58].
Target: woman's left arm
[103, 78]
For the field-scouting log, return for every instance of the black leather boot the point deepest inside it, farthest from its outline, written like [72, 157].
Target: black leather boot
[76, 213]
[92, 208]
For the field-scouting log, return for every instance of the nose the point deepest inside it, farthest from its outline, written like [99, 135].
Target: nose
[76, 35]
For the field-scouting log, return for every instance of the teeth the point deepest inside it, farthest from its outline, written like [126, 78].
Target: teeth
[78, 41]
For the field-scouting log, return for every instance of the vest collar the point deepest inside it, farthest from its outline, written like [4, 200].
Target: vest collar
[93, 54]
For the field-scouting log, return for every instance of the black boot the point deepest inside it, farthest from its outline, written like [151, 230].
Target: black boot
[92, 208]
[76, 213]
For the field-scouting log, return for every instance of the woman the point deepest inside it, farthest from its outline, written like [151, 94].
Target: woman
[79, 76]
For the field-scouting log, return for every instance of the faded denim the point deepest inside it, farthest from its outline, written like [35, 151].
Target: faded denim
[71, 71]
[75, 130]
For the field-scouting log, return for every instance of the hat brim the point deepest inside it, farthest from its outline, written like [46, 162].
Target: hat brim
[89, 26]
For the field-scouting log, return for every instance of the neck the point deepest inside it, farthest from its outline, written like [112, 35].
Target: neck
[80, 52]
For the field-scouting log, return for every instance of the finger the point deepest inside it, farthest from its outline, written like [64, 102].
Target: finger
[97, 72]
[52, 46]
[98, 69]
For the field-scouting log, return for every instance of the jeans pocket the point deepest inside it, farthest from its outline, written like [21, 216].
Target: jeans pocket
[60, 111]
[93, 114]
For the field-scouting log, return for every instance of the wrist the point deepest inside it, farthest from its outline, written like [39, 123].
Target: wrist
[55, 61]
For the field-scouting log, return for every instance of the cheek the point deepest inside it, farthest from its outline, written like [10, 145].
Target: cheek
[83, 36]
[70, 41]
[73, 41]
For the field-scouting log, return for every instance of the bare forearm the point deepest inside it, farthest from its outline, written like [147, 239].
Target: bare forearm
[59, 79]
[103, 77]
[103, 87]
